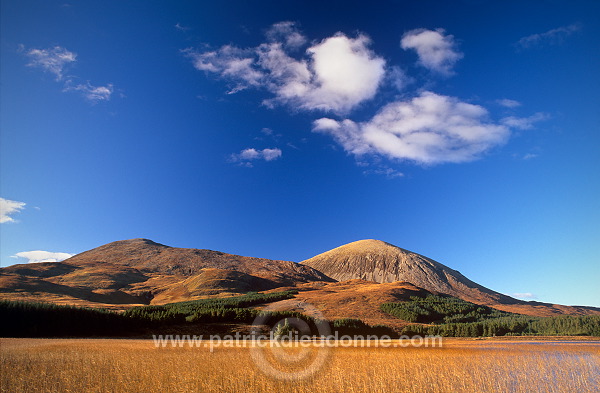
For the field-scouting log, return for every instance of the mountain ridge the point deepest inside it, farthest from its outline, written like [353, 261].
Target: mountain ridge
[140, 271]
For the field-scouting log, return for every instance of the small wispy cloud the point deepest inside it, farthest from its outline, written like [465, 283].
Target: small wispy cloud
[53, 60]
[42, 256]
[246, 156]
[508, 103]
[180, 27]
[390, 173]
[398, 78]
[90, 92]
[8, 208]
[524, 123]
[550, 37]
[524, 295]
[530, 156]
[287, 33]
[437, 51]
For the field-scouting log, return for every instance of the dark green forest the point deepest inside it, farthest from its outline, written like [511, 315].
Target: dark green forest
[441, 309]
[225, 310]
[432, 315]
[451, 317]
[30, 319]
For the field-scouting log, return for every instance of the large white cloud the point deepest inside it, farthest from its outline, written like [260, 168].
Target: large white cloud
[336, 74]
[428, 129]
[8, 207]
[43, 256]
[53, 60]
[436, 50]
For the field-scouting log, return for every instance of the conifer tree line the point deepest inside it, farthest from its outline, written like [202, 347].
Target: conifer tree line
[432, 315]
[32, 319]
[451, 317]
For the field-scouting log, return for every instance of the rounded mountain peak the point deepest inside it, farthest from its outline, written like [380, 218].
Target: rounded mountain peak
[376, 260]
[364, 247]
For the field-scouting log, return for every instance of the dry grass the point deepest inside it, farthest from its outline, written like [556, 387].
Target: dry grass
[52, 365]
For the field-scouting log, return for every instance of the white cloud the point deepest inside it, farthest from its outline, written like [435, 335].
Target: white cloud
[530, 156]
[428, 129]
[251, 154]
[53, 60]
[525, 295]
[437, 51]
[7, 208]
[339, 73]
[508, 103]
[43, 256]
[335, 75]
[390, 173]
[180, 27]
[91, 93]
[398, 78]
[287, 33]
[553, 36]
[346, 71]
[524, 123]
[230, 62]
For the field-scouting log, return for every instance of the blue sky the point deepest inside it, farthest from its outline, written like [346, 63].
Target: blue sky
[467, 132]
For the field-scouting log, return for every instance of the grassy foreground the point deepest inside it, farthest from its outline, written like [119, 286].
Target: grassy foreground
[106, 365]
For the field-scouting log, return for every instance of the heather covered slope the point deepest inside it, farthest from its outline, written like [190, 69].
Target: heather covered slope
[148, 256]
[140, 271]
[378, 261]
[357, 299]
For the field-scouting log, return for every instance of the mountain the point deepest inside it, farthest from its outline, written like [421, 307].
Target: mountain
[148, 256]
[375, 260]
[348, 281]
[140, 271]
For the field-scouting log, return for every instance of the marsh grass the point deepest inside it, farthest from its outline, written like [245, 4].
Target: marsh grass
[57, 365]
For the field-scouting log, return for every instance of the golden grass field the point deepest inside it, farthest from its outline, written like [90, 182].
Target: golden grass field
[461, 365]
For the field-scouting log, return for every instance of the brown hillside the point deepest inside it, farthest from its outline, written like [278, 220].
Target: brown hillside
[210, 282]
[140, 271]
[382, 262]
[354, 299]
[148, 256]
